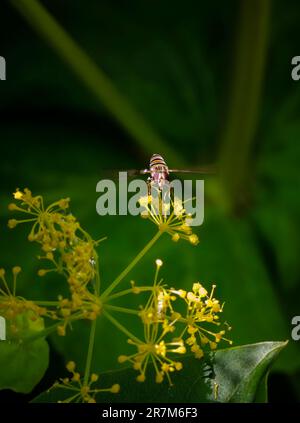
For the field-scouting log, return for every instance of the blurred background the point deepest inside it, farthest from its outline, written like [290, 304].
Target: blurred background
[211, 83]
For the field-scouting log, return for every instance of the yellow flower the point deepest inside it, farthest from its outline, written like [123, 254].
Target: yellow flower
[201, 309]
[12, 223]
[81, 391]
[170, 217]
[18, 195]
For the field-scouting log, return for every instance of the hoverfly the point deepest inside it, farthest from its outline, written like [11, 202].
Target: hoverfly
[159, 171]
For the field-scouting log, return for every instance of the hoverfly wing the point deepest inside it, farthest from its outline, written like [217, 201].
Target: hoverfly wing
[115, 173]
[205, 170]
[135, 172]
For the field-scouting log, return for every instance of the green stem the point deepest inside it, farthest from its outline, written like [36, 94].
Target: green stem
[122, 275]
[121, 309]
[129, 291]
[95, 79]
[121, 327]
[90, 352]
[239, 130]
[46, 303]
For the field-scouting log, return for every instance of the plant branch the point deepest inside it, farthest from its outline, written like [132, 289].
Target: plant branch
[90, 352]
[121, 327]
[239, 130]
[129, 291]
[122, 275]
[121, 309]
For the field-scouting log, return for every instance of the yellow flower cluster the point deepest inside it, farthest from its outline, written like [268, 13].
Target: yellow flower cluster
[155, 349]
[80, 390]
[201, 308]
[163, 316]
[169, 216]
[68, 248]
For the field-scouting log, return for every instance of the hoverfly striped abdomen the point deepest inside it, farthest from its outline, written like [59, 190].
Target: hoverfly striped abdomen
[158, 170]
[157, 160]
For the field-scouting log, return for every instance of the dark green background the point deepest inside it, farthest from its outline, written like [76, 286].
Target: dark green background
[174, 61]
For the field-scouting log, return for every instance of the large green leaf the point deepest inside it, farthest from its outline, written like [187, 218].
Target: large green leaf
[232, 375]
[22, 365]
[23, 362]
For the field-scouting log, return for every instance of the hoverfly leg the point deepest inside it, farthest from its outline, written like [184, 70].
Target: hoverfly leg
[149, 185]
[172, 193]
[165, 198]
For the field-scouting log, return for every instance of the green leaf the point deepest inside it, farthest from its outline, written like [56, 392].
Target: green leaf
[262, 390]
[240, 371]
[236, 374]
[25, 324]
[22, 364]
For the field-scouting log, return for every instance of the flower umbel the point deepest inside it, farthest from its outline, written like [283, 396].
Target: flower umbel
[163, 316]
[201, 309]
[80, 391]
[155, 348]
[169, 216]
[67, 248]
